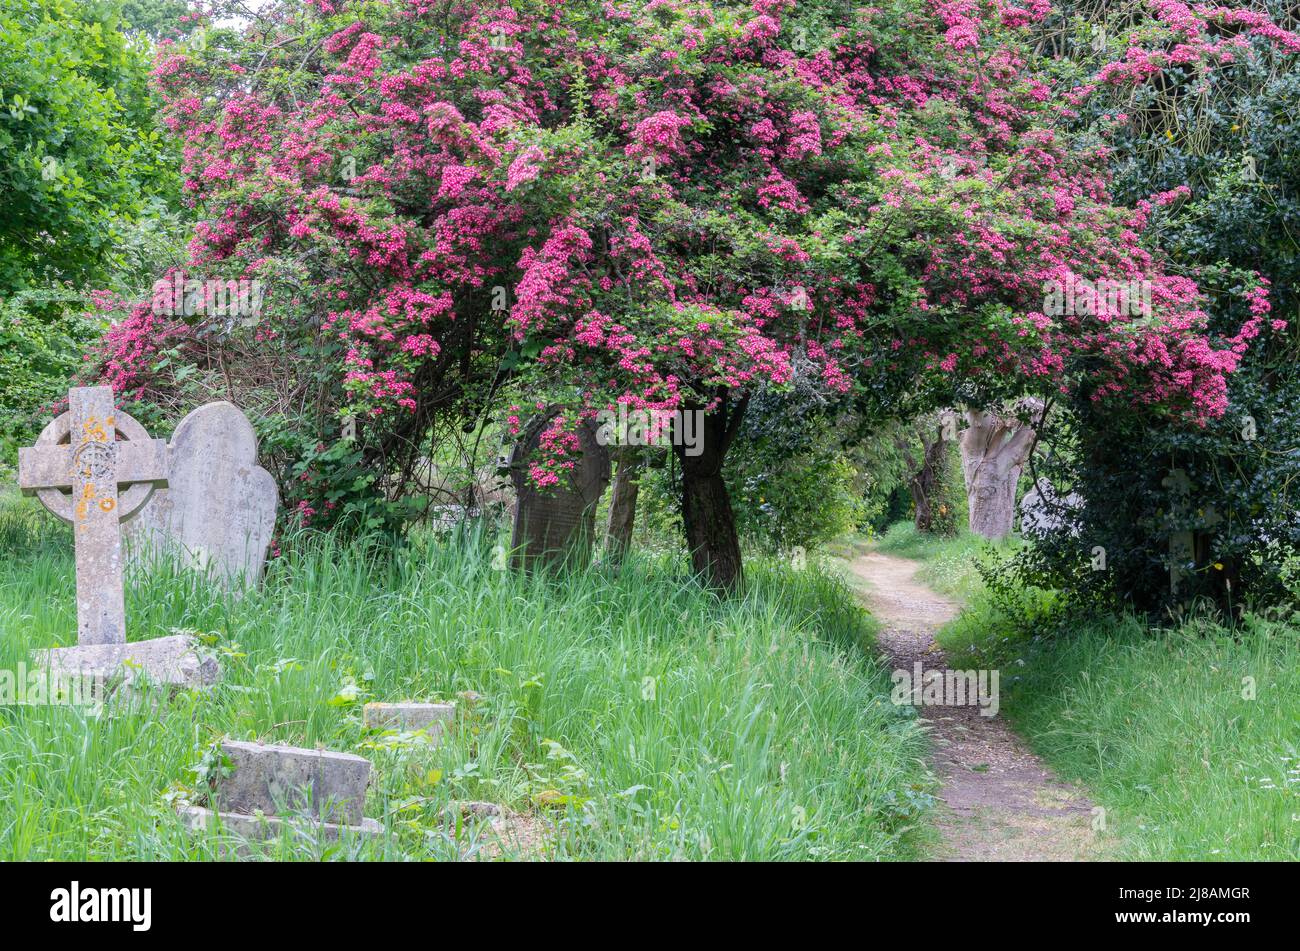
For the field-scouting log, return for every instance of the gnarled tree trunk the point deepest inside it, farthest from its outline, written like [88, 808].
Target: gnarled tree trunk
[926, 483]
[622, 504]
[994, 448]
[707, 516]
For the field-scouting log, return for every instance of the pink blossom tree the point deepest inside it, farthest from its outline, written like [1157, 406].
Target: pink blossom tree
[668, 205]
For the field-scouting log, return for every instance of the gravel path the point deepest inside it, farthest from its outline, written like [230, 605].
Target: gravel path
[1003, 803]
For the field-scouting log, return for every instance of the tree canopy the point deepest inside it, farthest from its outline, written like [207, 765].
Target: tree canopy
[668, 206]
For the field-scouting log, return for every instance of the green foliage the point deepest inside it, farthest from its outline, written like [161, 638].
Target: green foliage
[45, 330]
[88, 194]
[348, 494]
[658, 525]
[156, 18]
[79, 150]
[41, 337]
[791, 479]
[883, 470]
[784, 501]
[1236, 502]
[1229, 134]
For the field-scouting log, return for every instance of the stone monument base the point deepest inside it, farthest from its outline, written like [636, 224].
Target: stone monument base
[172, 661]
[254, 831]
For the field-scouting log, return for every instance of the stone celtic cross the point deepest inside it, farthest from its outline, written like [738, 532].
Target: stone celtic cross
[95, 467]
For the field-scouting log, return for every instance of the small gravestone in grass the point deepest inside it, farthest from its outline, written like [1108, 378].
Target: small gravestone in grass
[263, 791]
[433, 718]
[1044, 511]
[217, 514]
[95, 467]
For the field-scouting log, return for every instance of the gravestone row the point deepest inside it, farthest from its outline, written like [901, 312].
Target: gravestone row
[203, 497]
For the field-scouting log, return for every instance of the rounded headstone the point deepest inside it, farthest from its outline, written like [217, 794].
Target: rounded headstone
[218, 513]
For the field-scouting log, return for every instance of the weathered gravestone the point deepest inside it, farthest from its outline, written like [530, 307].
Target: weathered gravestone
[433, 718]
[218, 512]
[1043, 510]
[556, 525]
[1189, 547]
[96, 467]
[318, 792]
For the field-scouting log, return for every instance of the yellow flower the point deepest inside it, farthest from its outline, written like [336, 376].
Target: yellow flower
[1218, 566]
[1169, 134]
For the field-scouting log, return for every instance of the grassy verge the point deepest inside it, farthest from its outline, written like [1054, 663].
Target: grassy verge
[1189, 737]
[641, 716]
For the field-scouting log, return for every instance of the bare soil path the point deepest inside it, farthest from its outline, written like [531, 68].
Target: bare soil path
[1003, 803]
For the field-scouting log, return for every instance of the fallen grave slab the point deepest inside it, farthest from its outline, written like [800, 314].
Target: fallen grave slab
[269, 779]
[433, 718]
[270, 789]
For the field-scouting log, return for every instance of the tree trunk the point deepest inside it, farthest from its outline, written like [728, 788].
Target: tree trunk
[707, 517]
[622, 505]
[993, 451]
[927, 484]
[992, 500]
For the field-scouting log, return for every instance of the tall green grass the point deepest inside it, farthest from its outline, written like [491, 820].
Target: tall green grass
[641, 716]
[1190, 738]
